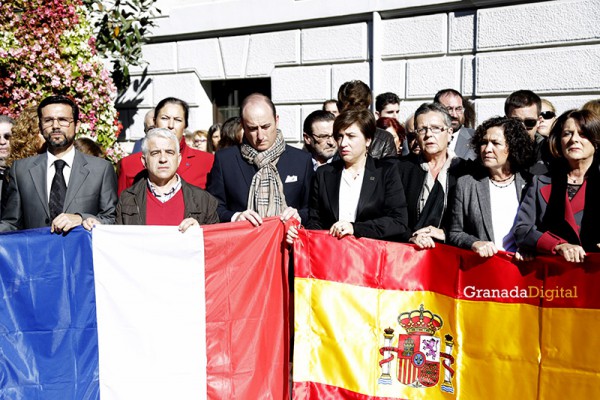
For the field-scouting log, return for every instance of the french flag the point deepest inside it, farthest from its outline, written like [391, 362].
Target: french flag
[144, 312]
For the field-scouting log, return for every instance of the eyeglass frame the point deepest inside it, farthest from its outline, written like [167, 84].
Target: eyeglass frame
[436, 130]
[320, 138]
[49, 121]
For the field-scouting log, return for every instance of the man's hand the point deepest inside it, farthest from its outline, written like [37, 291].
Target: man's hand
[291, 235]
[292, 232]
[484, 249]
[290, 212]
[65, 222]
[90, 222]
[186, 223]
[570, 252]
[251, 216]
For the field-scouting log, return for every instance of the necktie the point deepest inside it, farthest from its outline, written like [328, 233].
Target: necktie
[57, 190]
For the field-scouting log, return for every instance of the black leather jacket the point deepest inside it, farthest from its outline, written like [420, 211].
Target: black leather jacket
[382, 145]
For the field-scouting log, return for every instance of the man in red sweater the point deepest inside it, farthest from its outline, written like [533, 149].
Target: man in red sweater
[170, 113]
[162, 197]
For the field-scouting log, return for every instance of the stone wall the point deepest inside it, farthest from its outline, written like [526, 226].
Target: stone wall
[551, 47]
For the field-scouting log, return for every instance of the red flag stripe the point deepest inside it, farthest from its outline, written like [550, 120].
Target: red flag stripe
[313, 390]
[447, 270]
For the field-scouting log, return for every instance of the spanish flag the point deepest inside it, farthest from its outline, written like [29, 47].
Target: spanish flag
[380, 320]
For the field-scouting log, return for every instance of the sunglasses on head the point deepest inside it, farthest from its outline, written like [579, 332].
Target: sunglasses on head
[548, 114]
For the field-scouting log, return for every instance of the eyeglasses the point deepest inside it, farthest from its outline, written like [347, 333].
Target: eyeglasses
[434, 129]
[548, 114]
[458, 110]
[6, 136]
[64, 122]
[322, 138]
[529, 123]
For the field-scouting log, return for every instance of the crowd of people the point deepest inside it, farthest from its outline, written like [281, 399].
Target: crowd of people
[525, 182]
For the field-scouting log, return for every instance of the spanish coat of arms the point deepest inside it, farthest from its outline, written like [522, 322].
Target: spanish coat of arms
[419, 352]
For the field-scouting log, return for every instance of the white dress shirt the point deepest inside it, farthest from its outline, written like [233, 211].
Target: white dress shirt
[350, 186]
[68, 158]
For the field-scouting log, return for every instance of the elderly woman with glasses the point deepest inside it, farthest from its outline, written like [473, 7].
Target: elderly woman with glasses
[486, 202]
[358, 195]
[429, 178]
[560, 213]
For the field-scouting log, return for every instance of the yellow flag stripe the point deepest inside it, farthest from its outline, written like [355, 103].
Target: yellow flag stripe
[502, 351]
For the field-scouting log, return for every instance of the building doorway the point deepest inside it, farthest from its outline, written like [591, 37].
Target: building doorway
[227, 95]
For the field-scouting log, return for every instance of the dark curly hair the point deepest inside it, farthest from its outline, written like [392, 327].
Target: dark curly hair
[520, 146]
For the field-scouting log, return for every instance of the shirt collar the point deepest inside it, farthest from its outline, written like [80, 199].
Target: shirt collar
[163, 198]
[449, 153]
[316, 164]
[68, 157]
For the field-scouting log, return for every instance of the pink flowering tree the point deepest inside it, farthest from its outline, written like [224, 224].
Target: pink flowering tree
[47, 47]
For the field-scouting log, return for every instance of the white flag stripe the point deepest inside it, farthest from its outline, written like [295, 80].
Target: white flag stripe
[150, 306]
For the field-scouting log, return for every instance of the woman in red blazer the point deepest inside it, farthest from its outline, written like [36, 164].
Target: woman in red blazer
[560, 213]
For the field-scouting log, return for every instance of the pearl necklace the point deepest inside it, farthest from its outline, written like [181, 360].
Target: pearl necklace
[508, 181]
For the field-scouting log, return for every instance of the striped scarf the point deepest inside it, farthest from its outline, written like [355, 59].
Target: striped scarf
[266, 191]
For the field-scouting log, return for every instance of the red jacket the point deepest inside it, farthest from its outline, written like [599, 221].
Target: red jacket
[195, 166]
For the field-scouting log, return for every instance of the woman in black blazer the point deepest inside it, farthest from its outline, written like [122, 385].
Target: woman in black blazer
[358, 195]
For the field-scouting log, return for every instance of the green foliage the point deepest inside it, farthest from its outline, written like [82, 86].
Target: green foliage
[47, 47]
[122, 28]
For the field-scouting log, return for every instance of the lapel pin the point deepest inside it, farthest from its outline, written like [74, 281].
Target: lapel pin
[372, 178]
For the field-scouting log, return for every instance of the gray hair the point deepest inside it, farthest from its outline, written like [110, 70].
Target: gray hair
[159, 132]
[433, 107]
[151, 114]
[6, 119]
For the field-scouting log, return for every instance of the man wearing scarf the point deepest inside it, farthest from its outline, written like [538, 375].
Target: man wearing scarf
[262, 177]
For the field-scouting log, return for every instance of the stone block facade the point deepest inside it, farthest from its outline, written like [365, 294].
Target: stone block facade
[550, 47]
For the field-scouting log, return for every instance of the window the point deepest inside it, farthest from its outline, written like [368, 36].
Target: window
[227, 95]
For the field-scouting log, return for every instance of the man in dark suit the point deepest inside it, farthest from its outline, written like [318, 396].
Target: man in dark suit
[318, 137]
[460, 141]
[262, 177]
[62, 187]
